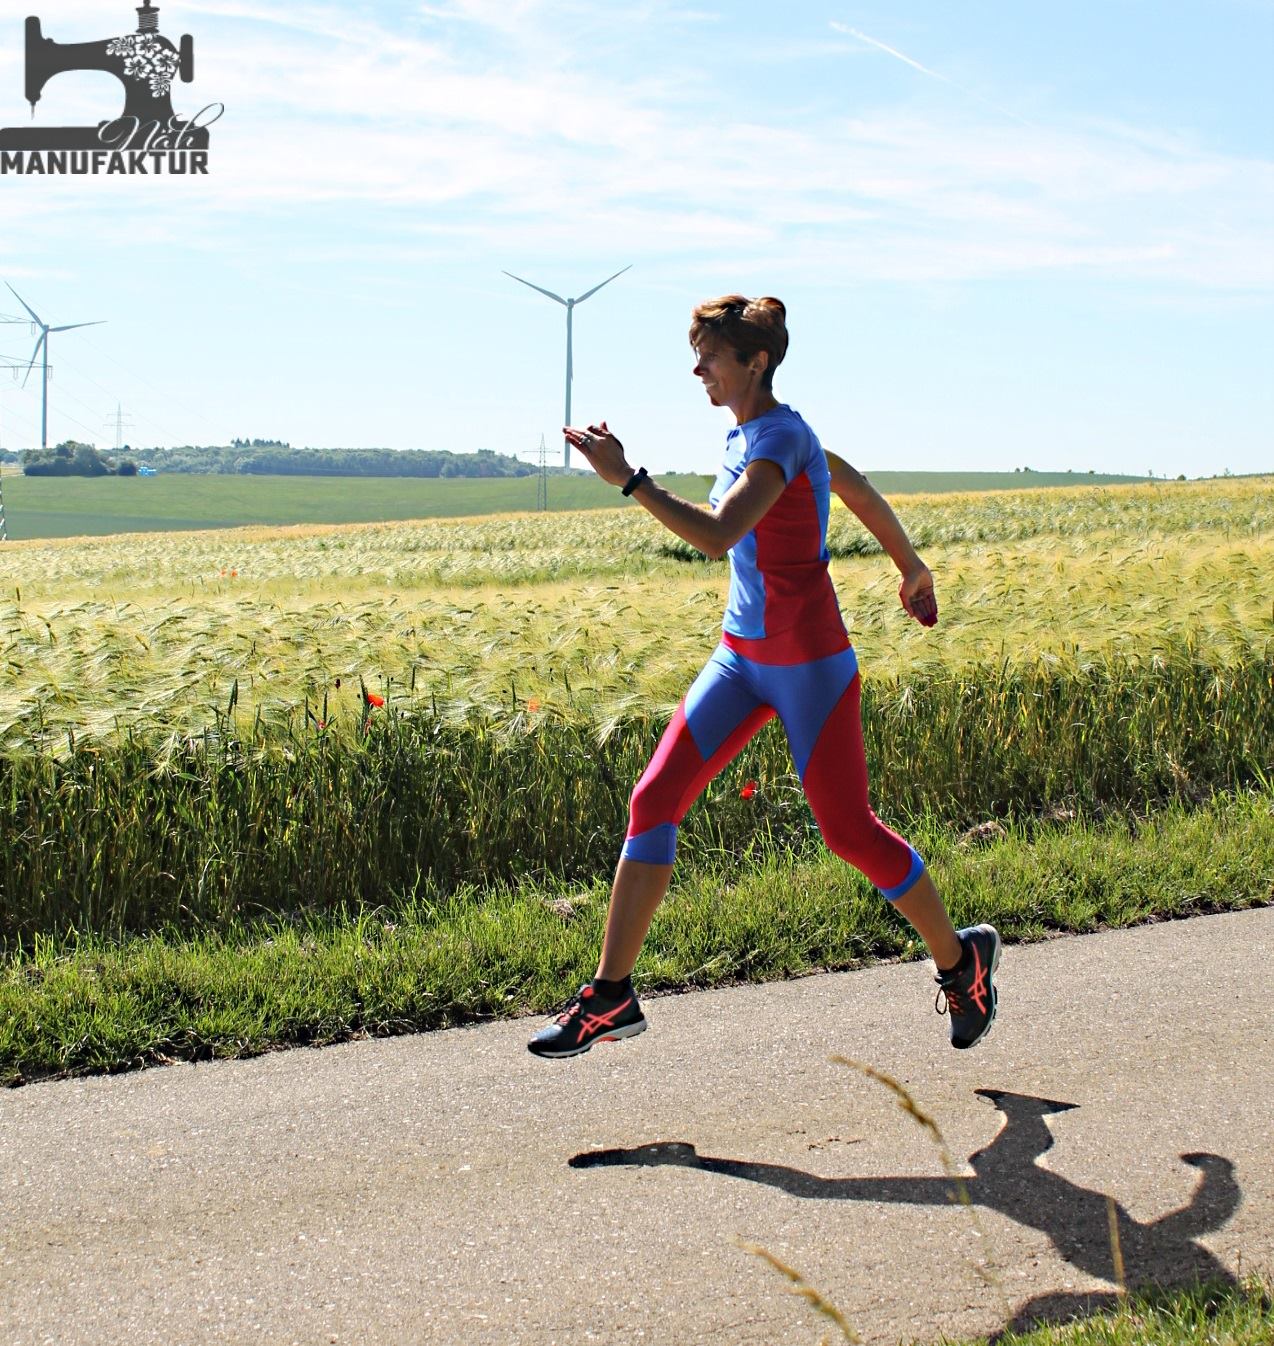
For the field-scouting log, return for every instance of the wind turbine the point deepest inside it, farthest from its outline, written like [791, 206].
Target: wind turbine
[43, 341]
[569, 305]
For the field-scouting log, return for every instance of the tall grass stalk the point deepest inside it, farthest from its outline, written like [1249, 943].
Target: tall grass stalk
[1116, 1250]
[907, 1102]
[800, 1286]
[287, 815]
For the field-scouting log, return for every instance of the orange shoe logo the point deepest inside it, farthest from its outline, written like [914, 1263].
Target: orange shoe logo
[978, 986]
[591, 1023]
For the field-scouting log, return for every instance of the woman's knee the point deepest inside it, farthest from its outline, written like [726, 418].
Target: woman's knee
[875, 850]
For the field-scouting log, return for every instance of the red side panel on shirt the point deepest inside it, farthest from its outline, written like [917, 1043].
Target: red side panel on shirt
[802, 617]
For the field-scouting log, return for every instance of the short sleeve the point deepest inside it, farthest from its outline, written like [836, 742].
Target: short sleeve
[783, 441]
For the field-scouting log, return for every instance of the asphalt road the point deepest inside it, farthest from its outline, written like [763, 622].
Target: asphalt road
[450, 1188]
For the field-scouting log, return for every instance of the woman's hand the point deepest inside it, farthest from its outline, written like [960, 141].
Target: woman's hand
[916, 594]
[602, 451]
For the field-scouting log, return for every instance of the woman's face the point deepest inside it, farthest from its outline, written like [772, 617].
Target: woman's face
[726, 379]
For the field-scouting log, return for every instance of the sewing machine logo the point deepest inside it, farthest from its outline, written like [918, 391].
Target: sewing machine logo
[147, 137]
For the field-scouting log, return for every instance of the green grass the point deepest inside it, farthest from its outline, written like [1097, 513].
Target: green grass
[1200, 1315]
[424, 960]
[49, 507]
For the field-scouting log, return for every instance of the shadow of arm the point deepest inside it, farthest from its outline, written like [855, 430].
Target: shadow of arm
[1214, 1202]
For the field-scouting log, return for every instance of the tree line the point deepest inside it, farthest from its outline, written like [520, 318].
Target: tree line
[258, 457]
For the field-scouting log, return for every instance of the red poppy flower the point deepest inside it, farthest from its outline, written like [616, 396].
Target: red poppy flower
[748, 790]
[533, 705]
[374, 700]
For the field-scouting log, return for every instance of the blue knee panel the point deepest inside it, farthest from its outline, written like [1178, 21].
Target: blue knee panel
[657, 846]
[916, 870]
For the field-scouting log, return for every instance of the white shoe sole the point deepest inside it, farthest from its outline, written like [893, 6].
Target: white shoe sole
[628, 1031]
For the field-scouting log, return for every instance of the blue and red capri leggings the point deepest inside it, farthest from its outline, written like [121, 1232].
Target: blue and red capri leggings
[818, 703]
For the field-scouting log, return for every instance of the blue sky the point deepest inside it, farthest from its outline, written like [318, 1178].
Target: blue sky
[1007, 233]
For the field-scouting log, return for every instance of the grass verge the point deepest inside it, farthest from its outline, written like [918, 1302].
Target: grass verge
[1216, 1314]
[83, 1003]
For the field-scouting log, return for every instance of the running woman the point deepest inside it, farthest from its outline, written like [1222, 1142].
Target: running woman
[784, 651]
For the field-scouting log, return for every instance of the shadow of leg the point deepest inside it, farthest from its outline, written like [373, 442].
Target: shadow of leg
[1056, 1308]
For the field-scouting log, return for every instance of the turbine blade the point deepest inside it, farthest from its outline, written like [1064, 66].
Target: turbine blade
[44, 336]
[70, 327]
[607, 281]
[34, 316]
[550, 293]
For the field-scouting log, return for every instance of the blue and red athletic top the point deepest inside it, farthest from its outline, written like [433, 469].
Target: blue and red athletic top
[782, 607]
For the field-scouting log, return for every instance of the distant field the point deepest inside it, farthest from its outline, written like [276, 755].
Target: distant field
[45, 507]
[39, 507]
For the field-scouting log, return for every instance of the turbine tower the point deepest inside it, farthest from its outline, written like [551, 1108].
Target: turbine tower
[43, 342]
[6, 363]
[569, 305]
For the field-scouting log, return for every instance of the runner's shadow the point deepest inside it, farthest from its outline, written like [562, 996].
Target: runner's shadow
[1007, 1179]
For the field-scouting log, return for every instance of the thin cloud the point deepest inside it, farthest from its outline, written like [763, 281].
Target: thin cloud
[407, 142]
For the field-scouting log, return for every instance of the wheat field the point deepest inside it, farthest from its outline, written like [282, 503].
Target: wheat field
[593, 614]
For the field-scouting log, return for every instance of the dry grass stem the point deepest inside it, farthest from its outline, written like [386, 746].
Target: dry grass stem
[984, 1270]
[1116, 1250]
[800, 1286]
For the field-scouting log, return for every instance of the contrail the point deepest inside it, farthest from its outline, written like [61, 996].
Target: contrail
[871, 41]
[924, 69]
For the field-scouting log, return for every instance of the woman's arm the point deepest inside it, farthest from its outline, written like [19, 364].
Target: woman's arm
[712, 531]
[872, 509]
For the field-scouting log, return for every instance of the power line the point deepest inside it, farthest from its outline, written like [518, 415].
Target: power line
[218, 431]
[4, 364]
[88, 378]
[66, 393]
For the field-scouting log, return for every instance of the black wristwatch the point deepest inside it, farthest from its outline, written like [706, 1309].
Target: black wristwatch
[635, 480]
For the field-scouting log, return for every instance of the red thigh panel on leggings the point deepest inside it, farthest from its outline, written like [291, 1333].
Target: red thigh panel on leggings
[836, 787]
[675, 778]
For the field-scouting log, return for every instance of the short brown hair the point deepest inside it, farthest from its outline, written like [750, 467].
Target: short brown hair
[748, 326]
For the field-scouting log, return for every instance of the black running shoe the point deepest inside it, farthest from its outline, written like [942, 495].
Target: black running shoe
[587, 1018]
[968, 990]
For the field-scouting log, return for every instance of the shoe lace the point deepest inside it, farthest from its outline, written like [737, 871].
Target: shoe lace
[570, 1010]
[951, 998]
